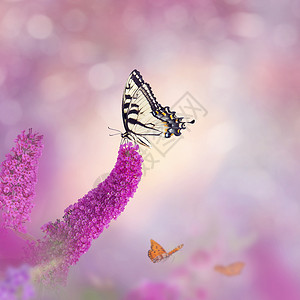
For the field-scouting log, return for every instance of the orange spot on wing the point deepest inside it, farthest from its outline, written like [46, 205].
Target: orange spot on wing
[166, 127]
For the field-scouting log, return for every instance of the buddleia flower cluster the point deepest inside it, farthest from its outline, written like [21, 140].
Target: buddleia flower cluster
[68, 238]
[18, 178]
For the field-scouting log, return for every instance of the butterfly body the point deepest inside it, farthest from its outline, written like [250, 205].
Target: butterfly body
[143, 116]
[157, 253]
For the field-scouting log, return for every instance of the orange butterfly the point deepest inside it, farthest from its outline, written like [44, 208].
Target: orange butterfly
[158, 253]
[230, 270]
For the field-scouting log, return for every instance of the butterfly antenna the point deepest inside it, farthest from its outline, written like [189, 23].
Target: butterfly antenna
[190, 122]
[119, 132]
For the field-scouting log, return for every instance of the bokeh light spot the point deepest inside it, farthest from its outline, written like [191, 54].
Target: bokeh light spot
[101, 76]
[11, 23]
[56, 87]
[82, 51]
[247, 25]
[39, 27]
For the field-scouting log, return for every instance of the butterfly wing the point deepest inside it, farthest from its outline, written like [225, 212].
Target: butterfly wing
[157, 252]
[137, 106]
[230, 270]
[174, 124]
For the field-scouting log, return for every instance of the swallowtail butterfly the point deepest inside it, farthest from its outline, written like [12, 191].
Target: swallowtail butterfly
[143, 116]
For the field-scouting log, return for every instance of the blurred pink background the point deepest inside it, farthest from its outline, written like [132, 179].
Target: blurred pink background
[228, 190]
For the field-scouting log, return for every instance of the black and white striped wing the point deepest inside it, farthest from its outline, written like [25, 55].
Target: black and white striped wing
[137, 110]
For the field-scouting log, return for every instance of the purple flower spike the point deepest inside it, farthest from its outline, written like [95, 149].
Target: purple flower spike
[17, 180]
[66, 240]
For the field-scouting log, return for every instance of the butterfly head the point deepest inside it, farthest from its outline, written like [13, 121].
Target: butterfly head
[124, 135]
[141, 140]
[127, 136]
